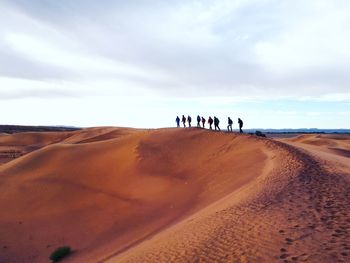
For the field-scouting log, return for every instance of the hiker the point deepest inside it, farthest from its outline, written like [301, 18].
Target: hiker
[229, 126]
[177, 121]
[198, 121]
[216, 123]
[210, 121]
[189, 119]
[184, 120]
[203, 122]
[240, 122]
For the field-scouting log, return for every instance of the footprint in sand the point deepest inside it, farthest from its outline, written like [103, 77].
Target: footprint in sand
[289, 241]
[283, 256]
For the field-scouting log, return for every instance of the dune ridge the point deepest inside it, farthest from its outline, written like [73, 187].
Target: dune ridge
[174, 195]
[300, 214]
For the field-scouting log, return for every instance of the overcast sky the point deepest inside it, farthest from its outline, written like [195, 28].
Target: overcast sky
[275, 64]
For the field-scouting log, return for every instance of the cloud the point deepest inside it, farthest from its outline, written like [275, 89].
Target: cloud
[48, 53]
[316, 35]
[265, 49]
[14, 88]
[330, 97]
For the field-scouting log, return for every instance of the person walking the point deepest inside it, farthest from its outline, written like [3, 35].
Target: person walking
[189, 119]
[229, 126]
[184, 120]
[198, 121]
[210, 121]
[240, 122]
[177, 121]
[203, 122]
[216, 123]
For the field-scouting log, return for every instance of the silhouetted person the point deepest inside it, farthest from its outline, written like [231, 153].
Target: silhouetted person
[216, 123]
[184, 120]
[198, 121]
[210, 121]
[203, 122]
[229, 126]
[177, 121]
[189, 119]
[240, 122]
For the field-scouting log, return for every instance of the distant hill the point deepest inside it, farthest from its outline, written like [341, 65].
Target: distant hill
[301, 130]
[19, 128]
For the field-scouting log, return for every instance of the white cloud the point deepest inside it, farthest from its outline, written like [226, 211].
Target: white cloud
[48, 53]
[315, 35]
[187, 48]
[330, 97]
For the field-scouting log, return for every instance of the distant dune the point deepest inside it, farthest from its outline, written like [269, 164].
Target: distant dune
[174, 195]
[9, 129]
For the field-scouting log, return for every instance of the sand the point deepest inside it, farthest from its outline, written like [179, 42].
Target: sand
[174, 195]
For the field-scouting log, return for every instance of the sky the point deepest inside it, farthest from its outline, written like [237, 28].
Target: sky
[275, 64]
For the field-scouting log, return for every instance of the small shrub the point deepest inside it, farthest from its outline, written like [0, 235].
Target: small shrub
[60, 253]
[260, 134]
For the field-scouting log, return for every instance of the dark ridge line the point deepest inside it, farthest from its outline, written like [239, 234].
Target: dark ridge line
[10, 129]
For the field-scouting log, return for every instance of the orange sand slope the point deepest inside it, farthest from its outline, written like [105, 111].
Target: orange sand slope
[174, 195]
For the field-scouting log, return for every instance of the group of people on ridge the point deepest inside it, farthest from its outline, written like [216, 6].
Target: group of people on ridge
[211, 121]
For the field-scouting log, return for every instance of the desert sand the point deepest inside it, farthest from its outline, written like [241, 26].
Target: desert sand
[174, 195]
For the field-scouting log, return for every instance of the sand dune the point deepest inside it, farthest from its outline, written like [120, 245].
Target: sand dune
[33, 138]
[18, 144]
[329, 140]
[175, 195]
[328, 148]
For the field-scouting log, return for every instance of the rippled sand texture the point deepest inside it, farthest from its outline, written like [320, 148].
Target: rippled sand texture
[174, 195]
